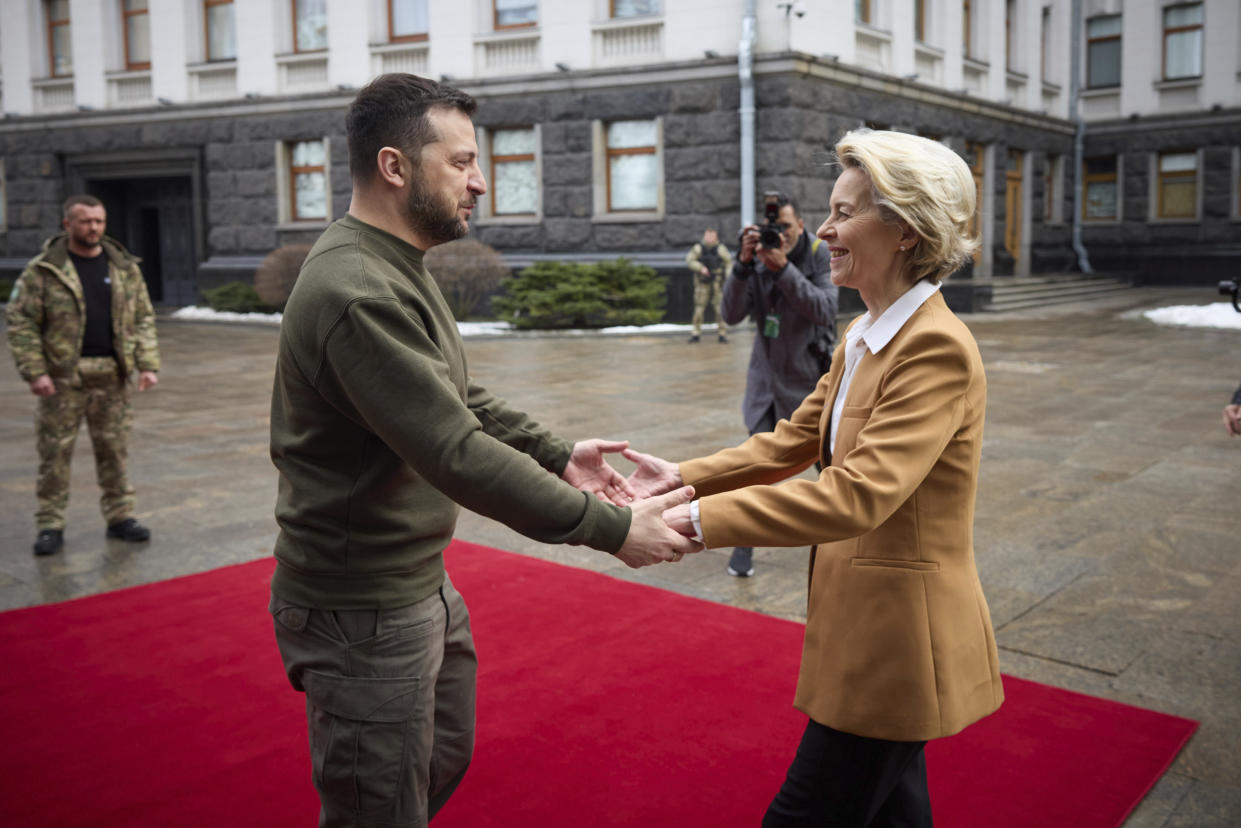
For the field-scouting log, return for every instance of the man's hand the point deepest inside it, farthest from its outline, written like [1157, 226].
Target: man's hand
[653, 476]
[147, 379]
[705, 271]
[42, 386]
[749, 241]
[773, 259]
[650, 541]
[588, 471]
[1232, 420]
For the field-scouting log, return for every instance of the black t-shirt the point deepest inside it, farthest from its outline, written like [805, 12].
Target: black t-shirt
[97, 291]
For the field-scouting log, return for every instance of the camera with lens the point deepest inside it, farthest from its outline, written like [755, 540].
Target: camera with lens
[1232, 287]
[771, 234]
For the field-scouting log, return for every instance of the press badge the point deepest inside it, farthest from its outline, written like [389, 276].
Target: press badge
[771, 326]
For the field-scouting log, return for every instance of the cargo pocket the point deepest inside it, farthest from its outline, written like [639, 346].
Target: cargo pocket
[359, 737]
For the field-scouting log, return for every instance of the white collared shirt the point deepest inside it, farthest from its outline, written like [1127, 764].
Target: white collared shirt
[874, 334]
[869, 335]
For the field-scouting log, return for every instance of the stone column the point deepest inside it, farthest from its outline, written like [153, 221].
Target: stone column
[348, 58]
[256, 46]
[168, 58]
[15, 49]
[90, 85]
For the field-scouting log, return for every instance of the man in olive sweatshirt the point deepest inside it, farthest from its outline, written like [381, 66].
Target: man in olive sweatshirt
[379, 437]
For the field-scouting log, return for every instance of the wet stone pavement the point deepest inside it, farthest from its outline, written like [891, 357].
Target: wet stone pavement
[1108, 529]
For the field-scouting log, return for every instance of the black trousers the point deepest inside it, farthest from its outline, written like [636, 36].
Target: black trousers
[846, 781]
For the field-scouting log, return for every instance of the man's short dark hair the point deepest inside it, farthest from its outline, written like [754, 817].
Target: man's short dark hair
[391, 111]
[74, 200]
[782, 200]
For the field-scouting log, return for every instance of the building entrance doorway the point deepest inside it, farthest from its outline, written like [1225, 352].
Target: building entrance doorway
[1012, 207]
[153, 199]
[153, 217]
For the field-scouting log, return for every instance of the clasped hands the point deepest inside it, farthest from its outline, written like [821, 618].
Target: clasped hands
[661, 529]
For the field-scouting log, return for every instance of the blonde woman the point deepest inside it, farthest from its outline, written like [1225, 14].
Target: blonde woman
[899, 647]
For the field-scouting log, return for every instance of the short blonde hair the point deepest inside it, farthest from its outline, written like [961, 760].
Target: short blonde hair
[923, 184]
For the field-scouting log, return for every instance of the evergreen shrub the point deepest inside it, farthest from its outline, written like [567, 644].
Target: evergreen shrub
[6, 288]
[236, 297]
[550, 295]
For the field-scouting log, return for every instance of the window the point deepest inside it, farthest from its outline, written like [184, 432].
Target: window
[634, 8]
[1182, 41]
[631, 176]
[967, 13]
[861, 11]
[4, 200]
[1052, 189]
[514, 172]
[59, 43]
[407, 20]
[136, 24]
[308, 193]
[920, 20]
[220, 29]
[512, 14]
[309, 25]
[1178, 185]
[1103, 51]
[1100, 189]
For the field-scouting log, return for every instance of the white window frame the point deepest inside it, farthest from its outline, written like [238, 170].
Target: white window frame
[485, 215]
[599, 155]
[1120, 194]
[284, 185]
[1153, 216]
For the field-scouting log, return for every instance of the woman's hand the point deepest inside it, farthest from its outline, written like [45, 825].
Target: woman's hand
[654, 476]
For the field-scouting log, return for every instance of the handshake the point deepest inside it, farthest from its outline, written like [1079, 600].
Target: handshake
[661, 529]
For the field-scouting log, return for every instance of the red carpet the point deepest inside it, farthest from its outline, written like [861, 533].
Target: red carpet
[601, 703]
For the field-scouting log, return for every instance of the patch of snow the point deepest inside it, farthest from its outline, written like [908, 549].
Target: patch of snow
[198, 314]
[1216, 315]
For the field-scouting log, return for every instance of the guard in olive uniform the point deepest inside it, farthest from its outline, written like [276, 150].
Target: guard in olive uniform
[710, 262]
[80, 323]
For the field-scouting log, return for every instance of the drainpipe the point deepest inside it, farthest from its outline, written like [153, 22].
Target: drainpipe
[1075, 63]
[745, 72]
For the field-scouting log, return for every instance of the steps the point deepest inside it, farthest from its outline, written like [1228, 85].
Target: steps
[1038, 291]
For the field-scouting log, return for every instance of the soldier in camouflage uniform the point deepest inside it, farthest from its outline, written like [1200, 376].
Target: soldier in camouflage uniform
[710, 262]
[80, 322]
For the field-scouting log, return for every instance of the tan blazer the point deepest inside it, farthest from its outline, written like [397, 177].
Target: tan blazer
[898, 641]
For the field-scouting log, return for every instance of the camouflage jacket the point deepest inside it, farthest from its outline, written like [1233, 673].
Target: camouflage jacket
[46, 313]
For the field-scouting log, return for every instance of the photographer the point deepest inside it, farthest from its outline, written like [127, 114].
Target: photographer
[782, 280]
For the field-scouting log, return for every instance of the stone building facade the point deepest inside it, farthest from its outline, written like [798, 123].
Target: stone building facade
[208, 162]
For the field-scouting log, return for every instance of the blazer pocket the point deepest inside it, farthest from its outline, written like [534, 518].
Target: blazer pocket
[889, 563]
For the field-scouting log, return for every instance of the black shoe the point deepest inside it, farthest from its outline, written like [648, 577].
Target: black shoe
[129, 530]
[694, 338]
[741, 564]
[49, 541]
[723, 338]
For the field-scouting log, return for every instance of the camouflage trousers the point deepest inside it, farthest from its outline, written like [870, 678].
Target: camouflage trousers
[705, 292]
[98, 394]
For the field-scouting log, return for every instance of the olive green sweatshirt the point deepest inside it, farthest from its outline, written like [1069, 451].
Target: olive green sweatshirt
[378, 435]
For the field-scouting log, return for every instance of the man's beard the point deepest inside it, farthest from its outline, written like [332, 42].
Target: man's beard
[84, 239]
[430, 218]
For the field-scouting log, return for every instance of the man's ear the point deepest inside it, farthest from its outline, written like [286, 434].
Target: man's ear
[394, 167]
